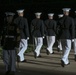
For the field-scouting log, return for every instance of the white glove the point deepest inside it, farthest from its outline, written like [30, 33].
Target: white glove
[72, 40]
[27, 38]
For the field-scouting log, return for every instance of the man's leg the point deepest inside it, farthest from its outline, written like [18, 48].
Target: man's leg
[66, 43]
[22, 49]
[52, 41]
[39, 45]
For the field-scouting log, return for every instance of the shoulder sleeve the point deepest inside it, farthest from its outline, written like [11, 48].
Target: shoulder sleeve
[26, 28]
[42, 28]
[32, 27]
[55, 24]
[73, 28]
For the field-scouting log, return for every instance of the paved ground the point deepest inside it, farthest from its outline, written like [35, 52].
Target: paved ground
[46, 65]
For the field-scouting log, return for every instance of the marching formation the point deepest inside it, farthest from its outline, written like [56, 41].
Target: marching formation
[16, 34]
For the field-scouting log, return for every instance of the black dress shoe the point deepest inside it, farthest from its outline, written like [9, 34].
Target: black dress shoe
[68, 63]
[12, 73]
[75, 57]
[35, 55]
[39, 56]
[47, 52]
[62, 63]
[7, 73]
[52, 53]
[24, 61]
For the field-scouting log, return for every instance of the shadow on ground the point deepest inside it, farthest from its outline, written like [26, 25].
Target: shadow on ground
[27, 71]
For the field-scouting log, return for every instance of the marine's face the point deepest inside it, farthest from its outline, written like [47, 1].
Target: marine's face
[50, 17]
[38, 16]
[66, 13]
[21, 14]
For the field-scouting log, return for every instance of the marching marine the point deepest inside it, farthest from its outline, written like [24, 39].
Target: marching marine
[37, 30]
[22, 25]
[66, 35]
[58, 40]
[50, 26]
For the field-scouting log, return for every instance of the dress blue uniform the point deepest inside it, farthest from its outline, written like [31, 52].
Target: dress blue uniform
[22, 24]
[66, 35]
[9, 44]
[50, 26]
[37, 31]
[59, 40]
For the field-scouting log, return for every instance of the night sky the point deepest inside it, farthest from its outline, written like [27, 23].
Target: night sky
[36, 5]
[32, 6]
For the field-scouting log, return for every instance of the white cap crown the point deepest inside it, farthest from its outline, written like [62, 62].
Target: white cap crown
[50, 14]
[38, 13]
[20, 11]
[66, 9]
[60, 15]
[9, 13]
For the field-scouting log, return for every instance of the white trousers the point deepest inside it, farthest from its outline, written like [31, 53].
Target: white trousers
[50, 43]
[22, 48]
[59, 44]
[38, 44]
[66, 45]
[74, 46]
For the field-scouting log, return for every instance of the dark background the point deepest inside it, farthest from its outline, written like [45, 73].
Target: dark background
[32, 6]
